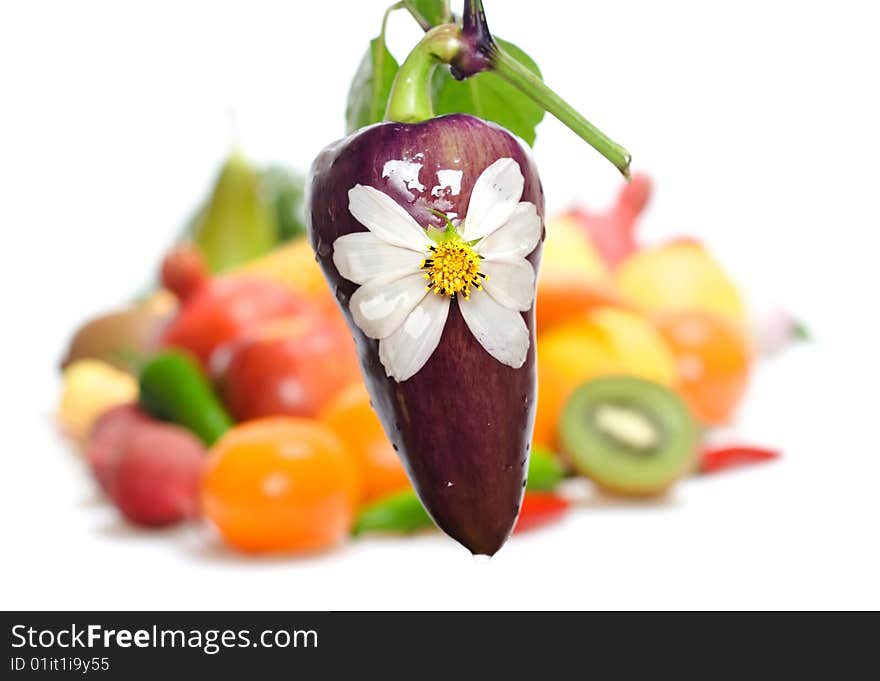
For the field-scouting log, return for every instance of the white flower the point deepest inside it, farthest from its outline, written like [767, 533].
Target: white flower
[481, 264]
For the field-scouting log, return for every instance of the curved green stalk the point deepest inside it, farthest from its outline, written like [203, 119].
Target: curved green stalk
[410, 100]
[530, 85]
[469, 49]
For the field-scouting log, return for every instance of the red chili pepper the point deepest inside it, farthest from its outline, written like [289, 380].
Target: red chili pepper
[540, 508]
[714, 459]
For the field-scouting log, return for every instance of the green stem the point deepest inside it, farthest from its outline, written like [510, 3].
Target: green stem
[469, 49]
[410, 98]
[530, 85]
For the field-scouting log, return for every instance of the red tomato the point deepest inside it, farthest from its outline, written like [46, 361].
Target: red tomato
[290, 367]
[222, 309]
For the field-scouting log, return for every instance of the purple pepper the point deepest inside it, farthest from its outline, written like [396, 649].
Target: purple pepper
[429, 230]
[462, 424]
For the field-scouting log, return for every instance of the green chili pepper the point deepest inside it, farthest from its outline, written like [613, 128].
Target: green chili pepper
[402, 512]
[173, 388]
[399, 512]
[545, 470]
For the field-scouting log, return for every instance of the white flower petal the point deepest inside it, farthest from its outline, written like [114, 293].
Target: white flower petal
[494, 197]
[386, 218]
[363, 256]
[406, 350]
[501, 331]
[515, 238]
[510, 282]
[380, 306]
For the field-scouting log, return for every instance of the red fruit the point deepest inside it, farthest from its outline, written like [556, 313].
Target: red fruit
[184, 271]
[291, 367]
[613, 232]
[158, 474]
[224, 308]
[110, 432]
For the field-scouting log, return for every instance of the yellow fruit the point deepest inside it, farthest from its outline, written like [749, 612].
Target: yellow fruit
[677, 276]
[639, 349]
[91, 387]
[569, 254]
[602, 342]
[292, 265]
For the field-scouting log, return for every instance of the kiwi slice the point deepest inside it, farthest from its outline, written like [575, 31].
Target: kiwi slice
[629, 435]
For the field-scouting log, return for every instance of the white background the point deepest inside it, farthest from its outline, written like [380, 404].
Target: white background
[758, 119]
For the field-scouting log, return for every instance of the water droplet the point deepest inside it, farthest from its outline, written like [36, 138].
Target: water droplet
[324, 248]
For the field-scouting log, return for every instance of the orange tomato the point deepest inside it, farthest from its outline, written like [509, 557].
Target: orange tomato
[281, 484]
[351, 417]
[713, 357]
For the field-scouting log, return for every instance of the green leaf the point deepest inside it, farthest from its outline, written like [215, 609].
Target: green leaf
[431, 12]
[491, 98]
[370, 87]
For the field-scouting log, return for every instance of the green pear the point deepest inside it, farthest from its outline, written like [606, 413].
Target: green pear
[238, 222]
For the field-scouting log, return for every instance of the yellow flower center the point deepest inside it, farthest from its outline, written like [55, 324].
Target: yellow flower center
[452, 267]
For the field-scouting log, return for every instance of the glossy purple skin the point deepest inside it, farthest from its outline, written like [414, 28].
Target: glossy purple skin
[463, 424]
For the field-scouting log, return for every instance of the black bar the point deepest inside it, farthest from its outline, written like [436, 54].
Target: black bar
[305, 645]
